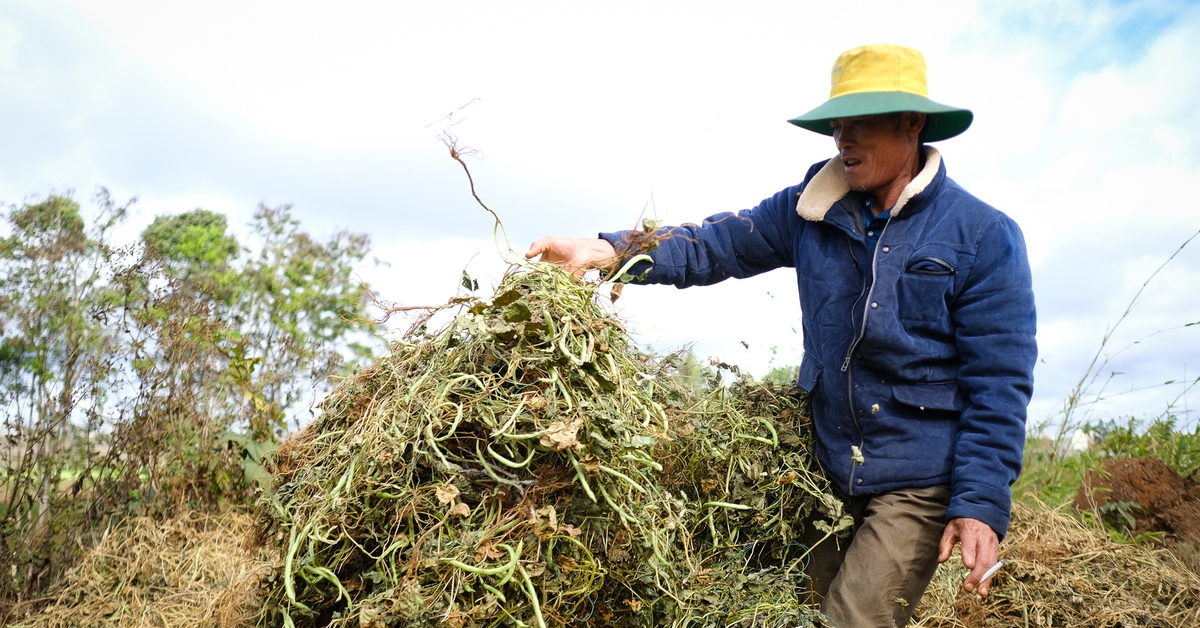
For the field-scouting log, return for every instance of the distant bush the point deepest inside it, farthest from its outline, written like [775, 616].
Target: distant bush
[782, 375]
[146, 377]
[1160, 438]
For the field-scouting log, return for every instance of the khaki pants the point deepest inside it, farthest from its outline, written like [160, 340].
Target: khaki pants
[877, 577]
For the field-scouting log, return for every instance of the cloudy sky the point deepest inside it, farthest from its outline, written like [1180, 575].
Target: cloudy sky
[587, 115]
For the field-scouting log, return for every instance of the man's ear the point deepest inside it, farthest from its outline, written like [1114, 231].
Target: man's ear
[916, 121]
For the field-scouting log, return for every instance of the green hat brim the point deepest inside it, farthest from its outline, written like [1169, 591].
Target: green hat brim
[944, 121]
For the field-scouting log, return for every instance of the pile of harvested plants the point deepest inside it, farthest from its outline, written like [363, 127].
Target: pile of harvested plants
[527, 465]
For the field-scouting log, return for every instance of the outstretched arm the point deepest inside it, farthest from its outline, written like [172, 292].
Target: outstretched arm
[722, 246]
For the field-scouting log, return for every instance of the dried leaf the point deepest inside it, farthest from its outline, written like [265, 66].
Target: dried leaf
[486, 607]
[590, 463]
[566, 564]
[536, 569]
[615, 293]
[460, 510]
[447, 493]
[487, 551]
[455, 619]
[551, 517]
[562, 435]
[570, 530]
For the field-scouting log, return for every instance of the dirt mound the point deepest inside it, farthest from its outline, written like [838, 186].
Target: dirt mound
[1143, 495]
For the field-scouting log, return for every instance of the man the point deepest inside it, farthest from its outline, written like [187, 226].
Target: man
[918, 319]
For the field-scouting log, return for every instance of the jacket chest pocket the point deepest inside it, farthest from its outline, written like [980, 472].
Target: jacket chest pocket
[925, 286]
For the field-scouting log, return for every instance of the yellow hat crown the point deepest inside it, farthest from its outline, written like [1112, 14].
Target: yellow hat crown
[879, 68]
[883, 78]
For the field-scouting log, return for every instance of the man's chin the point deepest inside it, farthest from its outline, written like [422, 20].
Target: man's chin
[857, 184]
[855, 177]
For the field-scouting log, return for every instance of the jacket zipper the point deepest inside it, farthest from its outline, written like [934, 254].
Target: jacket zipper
[854, 345]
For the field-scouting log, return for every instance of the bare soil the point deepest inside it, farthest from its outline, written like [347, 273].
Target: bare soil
[1154, 495]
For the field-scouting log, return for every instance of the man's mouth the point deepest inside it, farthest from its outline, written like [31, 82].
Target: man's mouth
[851, 162]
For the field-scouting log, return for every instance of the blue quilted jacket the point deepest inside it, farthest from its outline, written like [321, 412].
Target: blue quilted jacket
[919, 354]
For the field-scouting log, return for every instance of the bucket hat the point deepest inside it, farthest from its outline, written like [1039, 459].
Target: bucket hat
[883, 78]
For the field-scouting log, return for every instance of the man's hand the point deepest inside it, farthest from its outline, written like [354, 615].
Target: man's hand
[575, 255]
[979, 549]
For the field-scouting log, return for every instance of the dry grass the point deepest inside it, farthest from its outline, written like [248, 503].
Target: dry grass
[1062, 572]
[189, 571]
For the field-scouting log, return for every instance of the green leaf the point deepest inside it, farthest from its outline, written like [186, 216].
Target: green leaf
[468, 283]
[517, 312]
[506, 298]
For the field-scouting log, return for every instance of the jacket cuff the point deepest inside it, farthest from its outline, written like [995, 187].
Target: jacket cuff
[985, 503]
[620, 241]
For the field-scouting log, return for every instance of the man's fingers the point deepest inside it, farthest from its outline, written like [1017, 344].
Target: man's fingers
[970, 556]
[973, 578]
[949, 538]
[983, 550]
[545, 247]
[987, 557]
[985, 561]
[980, 548]
[968, 539]
[575, 255]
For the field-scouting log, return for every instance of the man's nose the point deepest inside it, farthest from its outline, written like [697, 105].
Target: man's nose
[844, 137]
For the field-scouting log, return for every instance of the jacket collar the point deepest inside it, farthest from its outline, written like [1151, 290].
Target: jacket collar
[829, 186]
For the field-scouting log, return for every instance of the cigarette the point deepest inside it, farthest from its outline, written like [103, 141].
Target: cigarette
[991, 572]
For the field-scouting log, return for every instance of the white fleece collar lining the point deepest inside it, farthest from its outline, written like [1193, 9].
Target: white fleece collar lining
[829, 186]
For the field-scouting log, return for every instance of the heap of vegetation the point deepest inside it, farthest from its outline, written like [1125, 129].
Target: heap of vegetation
[141, 379]
[526, 465]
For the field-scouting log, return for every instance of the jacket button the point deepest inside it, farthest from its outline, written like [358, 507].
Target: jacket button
[874, 306]
[861, 413]
[886, 249]
[858, 481]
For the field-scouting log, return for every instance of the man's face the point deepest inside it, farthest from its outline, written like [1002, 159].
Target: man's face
[876, 150]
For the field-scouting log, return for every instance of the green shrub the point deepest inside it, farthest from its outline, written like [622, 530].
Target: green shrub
[147, 377]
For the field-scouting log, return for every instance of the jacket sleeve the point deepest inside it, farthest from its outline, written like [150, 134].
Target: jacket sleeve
[994, 325]
[722, 246]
